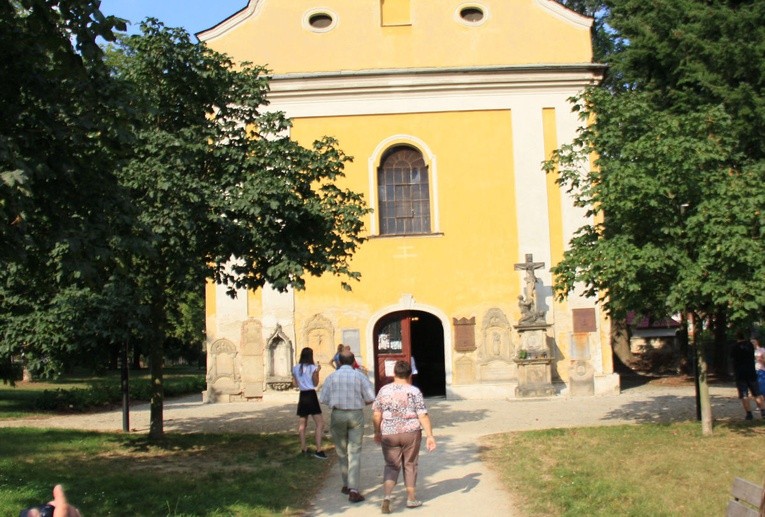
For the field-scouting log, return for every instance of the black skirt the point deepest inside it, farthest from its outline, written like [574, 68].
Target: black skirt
[308, 404]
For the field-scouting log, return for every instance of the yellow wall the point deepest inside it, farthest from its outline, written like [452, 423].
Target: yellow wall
[395, 12]
[466, 268]
[514, 32]
[464, 271]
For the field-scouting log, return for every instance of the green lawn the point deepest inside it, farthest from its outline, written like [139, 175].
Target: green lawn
[184, 475]
[637, 470]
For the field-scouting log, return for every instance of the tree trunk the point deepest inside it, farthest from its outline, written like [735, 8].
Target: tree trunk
[721, 339]
[156, 423]
[156, 366]
[702, 378]
[706, 403]
[620, 341]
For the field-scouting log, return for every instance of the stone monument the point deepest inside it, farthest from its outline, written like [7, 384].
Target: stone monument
[534, 358]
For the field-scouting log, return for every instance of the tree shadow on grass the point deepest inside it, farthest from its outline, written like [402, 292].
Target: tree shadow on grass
[673, 408]
[116, 474]
[255, 419]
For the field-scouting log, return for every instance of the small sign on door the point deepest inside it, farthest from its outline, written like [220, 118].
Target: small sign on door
[389, 364]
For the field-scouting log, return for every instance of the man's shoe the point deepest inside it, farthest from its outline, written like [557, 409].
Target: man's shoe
[355, 497]
[749, 416]
[345, 490]
[320, 455]
[385, 506]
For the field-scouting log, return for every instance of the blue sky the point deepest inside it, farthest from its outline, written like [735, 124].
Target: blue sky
[192, 15]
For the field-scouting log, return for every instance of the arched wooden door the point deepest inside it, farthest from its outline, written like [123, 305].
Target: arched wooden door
[392, 342]
[406, 335]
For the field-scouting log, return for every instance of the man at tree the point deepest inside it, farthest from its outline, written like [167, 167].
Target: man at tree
[742, 355]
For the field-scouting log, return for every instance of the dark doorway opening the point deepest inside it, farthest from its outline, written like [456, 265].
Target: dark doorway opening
[428, 353]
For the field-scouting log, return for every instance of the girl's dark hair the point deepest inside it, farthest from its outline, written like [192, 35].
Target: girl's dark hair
[306, 357]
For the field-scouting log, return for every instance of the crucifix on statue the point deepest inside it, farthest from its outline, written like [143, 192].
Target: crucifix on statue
[530, 281]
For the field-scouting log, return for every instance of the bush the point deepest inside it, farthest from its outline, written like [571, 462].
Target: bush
[104, 394]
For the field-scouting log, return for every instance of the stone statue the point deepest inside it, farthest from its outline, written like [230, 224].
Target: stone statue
[529, 314]
[528, 301]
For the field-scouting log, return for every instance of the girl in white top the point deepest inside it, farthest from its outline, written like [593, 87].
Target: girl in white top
[306, 378]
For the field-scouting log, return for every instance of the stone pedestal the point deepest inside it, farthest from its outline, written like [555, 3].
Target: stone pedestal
[534, 362]
[534, 378]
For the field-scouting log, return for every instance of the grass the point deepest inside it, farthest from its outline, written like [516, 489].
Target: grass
[85, 392]
[638, 470]
[183, 475]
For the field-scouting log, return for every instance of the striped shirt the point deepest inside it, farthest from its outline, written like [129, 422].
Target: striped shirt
[347, 388]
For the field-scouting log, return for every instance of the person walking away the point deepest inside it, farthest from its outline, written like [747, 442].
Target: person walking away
[306, 377]
[347, 391]
[400, 415]
[742, 355]
[336, 358]
[759, 364]
[355, 365]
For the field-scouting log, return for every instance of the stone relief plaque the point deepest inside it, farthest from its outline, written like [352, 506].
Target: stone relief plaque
[252, 338]
[319, 334]
[223, 372]
[497, 341]
[464, 371]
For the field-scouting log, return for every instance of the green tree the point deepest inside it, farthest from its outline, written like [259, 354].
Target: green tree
[221, 190]
[62, 213]
[678, 186]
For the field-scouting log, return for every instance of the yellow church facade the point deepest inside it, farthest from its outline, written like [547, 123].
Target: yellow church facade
[448, 109]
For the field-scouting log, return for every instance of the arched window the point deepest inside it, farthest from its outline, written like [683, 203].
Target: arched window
[403, 192]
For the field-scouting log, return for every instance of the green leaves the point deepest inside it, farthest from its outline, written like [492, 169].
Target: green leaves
[129, 179]
[678, 184]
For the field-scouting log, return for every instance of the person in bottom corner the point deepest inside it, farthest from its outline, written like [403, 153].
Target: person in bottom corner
[742, 356]
[306, 377]
[58, 507]
[347, 391]
[400, 416]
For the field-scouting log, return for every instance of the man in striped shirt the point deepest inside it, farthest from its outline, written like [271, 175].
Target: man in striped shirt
[347, 391]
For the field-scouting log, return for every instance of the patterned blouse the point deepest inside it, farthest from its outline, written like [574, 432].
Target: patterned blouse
[400, 405]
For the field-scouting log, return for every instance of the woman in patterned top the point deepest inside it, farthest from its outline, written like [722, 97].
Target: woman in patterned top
[399, 416]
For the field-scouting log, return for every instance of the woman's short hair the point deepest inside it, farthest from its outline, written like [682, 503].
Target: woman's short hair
[402, 369]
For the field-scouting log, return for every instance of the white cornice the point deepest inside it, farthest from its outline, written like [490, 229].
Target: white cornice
[428, 90]
[390, 82]
[565, 13]
[253, 7]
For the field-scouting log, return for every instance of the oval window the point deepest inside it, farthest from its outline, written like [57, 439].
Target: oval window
[320, 20]
[471, 14]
